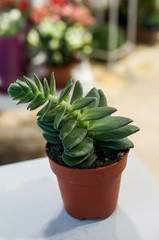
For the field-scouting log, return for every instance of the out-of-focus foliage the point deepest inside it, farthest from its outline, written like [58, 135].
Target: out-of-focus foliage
[13, 16]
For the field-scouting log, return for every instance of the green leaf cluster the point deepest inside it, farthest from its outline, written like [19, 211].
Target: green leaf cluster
[79, 123]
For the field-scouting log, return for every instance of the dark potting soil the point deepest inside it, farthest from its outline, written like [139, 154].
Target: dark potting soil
[105, 158]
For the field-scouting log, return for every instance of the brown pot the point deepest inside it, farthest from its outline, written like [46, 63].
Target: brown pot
[89, 193]
[147, 36]
[62, 73]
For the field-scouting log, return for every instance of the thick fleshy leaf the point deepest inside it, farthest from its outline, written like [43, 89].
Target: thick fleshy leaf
[88, 162]
[97, 113]
[14, 90]
[38, 83]
[115, 134]
[81, 103]
[53, 111]
[49, 106]
[77, 92]
[52, 85]
[48, 123]
[122, 144]
[26, 98]
[46, 88]
[36, 102]
[51, 139]
[50, 130]
[82, 149]
[31, 84]
[109, 123]
[102, 99]
[65, 92]
[74, 138]
[59, 117]
[93, 93]
[23, 86]
[72, 161]
[69, 82]
[42, 111]
[67, 127]
[52, 134]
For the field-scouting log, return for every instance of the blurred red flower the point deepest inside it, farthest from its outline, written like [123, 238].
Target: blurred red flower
[59, 2]
[24, 5]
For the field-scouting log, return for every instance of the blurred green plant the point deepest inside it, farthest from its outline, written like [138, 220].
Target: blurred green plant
[81, 124]
[60, 42]
[13, 16]
[100, 34]
[11, 22]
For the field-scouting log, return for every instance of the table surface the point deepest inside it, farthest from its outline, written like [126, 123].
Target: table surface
[31, 206]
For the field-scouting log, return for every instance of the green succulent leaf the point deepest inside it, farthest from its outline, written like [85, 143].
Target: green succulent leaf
[83, 148]
[59, 116]
[48, 128]
[74, 138]
[46, 88]
[51, 139]
[121, 144]
[36, 102]
[97, 113]
[102, 99]
[116, 134]
[14, 90]
[81, 103]
[50, 106]
[52, 85]
[109, 123]
[26, 98]
[88, 162]
[65, 92]
[24, 86]
[52, 112]
[67, 127]
[93, 93]
[72, 161]
[38, 83]
[77, 92]
[31, 85]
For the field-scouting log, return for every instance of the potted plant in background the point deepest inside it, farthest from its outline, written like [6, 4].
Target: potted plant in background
[147, 20]
[13, 24]
[86, 146]
[62, 33]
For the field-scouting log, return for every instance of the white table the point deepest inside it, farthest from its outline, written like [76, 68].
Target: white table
[31, 207]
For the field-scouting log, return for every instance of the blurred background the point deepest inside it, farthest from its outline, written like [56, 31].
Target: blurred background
[110, 44]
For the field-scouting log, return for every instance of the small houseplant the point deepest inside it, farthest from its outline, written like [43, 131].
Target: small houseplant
[86, 146]
[13, 25]
[62, 34]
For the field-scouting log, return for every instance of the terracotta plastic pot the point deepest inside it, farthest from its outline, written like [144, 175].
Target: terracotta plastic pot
[89, 193]
[62, 73]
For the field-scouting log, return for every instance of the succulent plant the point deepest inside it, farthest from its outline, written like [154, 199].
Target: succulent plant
[80, 124]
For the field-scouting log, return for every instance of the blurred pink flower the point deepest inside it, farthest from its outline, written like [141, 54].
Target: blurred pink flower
[71, 13]
[81, 14]
[40, 13]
